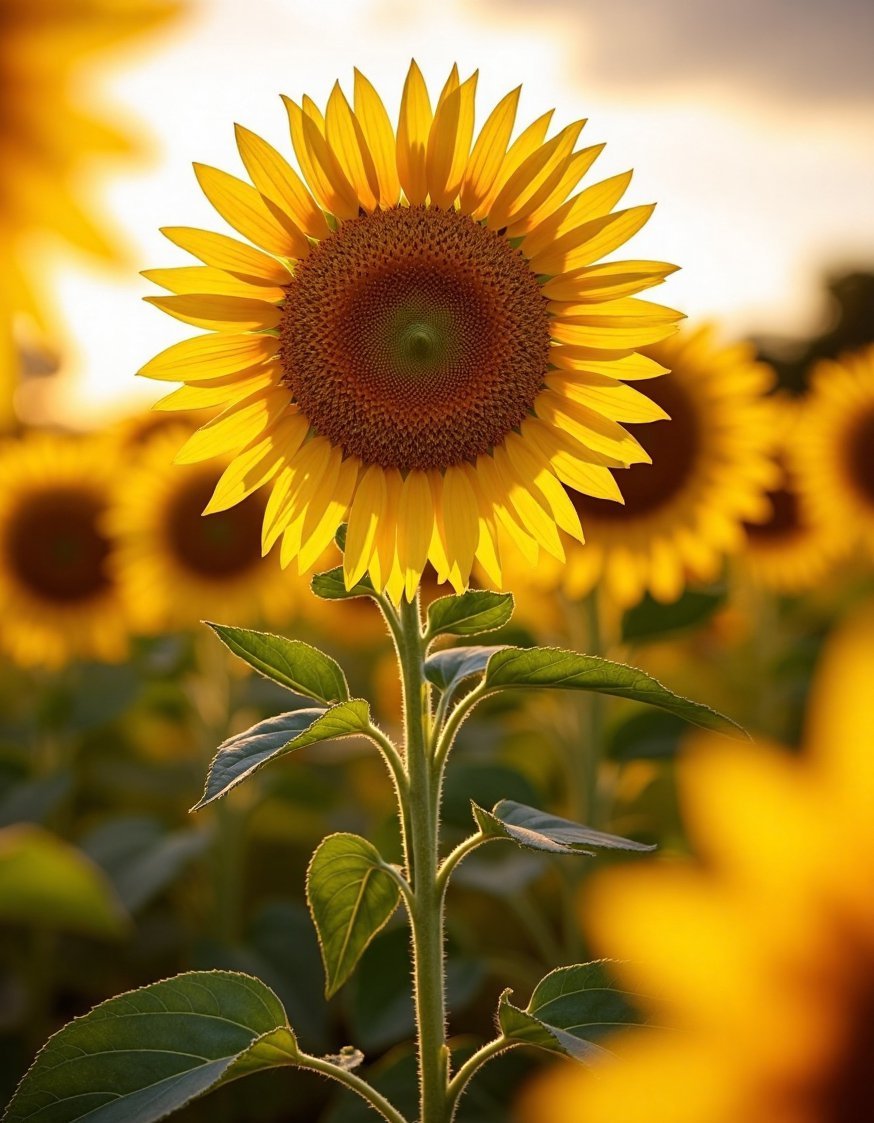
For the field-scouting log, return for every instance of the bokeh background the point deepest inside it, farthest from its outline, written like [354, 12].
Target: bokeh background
[749, 124]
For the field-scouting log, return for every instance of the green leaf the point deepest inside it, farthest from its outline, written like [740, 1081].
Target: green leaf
[446, 669]
[351, 896]
[48, 883]
[650, 618]
[535, 830]
[290, 662]
[469, 614]
[332, 586]
[240, 756]
[138, 1057]
[568, 1008]
[646, 735]
[568, 670]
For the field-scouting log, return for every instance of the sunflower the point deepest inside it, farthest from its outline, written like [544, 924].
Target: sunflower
[836, 445]
[181, 565]
[762, 959]
[59, 595]
[674, 520]
[44, 135]
[791, 549]
[423, 343]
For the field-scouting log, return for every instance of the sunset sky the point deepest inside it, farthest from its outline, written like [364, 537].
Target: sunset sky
[750, 124]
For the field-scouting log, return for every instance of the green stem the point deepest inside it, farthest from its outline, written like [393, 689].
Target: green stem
[462, 1078]
[344, 1076]
[421, 838]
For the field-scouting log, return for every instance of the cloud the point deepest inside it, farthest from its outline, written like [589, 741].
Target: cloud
[810, 51]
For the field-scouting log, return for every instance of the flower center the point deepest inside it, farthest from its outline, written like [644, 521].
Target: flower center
[55, 548]
[674, 447]
[785, 520]
[860, 457]
[213, 547]
[415, 338]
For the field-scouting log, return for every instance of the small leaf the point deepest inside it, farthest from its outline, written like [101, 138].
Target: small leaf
[46, 882]
[351, 897]
[568, 670]
[469, 614]
[290, 662]
[535, 830]
[138, 1057]
[446, 669]
[340, 538]
[332, 586]
[568, 1008]
[240, 756]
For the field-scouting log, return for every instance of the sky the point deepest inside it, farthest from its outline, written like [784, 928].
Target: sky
[749, 124]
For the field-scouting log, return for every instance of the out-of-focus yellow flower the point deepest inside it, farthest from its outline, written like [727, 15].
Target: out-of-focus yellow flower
[793, 548]
[761, 958]
[45, 137]
[59, 595]
[677, 517]
[182, 565]
[836, 447]
[426, 343]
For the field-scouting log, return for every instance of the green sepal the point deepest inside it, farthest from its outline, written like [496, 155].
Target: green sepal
[289, 662]
[244, 754]
[331, 585]
[352, 895]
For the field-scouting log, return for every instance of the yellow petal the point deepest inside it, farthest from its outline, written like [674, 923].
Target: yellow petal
[589, 428]
[535, 517]
[415, 521]
[236, 427]
[522, 147]
[610, 398]
[383, 561]
[575, 168]
[461, 524]
[609, 334]
[228, 254]
[488, 152]
[219, 313]
[591, 241]
[335, 512]
[242, 207]
[630, 368]
[186, 279]
[590, 479]
[219, 392]
[607, 281]
[449, 143]
[495, 495]
[312, 502]
[595, 202]
[258, 464]
[346, 138]
[380, 138]
[532, 467]
[488, 552]
[285, 505]
[414, 125]
[278, 182]
[368, 506]
[535, 179]
[210, 356]
[318, 163]
[437, 550]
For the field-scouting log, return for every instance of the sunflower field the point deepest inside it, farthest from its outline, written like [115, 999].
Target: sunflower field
[432, 523]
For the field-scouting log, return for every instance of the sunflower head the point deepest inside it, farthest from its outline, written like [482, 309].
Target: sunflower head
[418, 338]
[60, 596]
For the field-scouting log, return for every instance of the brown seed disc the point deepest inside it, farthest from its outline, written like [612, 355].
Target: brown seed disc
[213, 547]
[674, 447]
[415, 338]
[860, 457]
[784, 522]
[54, 546]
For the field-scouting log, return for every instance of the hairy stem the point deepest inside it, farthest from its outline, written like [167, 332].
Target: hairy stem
[350, 1080]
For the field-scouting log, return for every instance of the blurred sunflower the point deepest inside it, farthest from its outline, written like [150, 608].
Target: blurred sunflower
[761, 960]
[44, 136]
[791, 549]
[183, 565]
[59, 596]
[424, 344]
[677, 517]
[836, 447]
